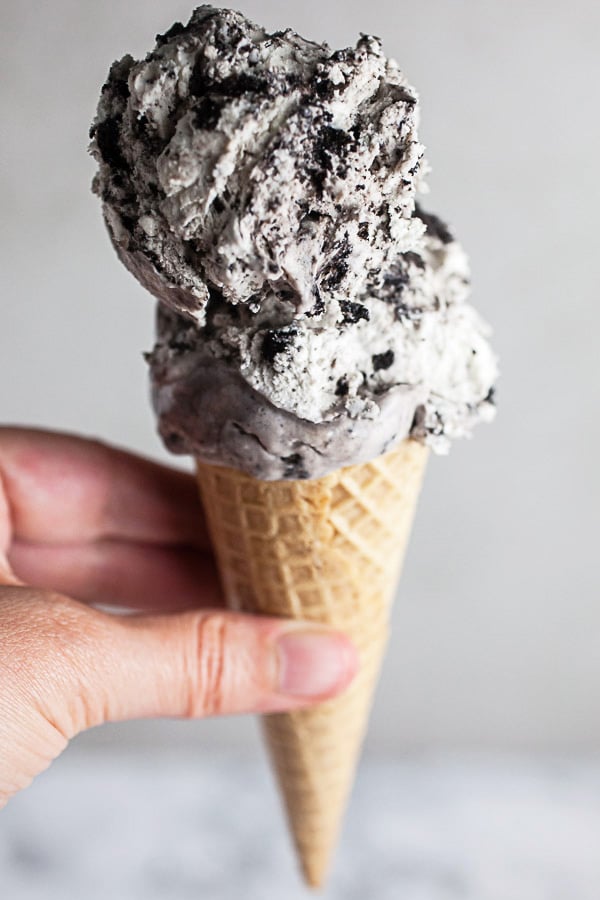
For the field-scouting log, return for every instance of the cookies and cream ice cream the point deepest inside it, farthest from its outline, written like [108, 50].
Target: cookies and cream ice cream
[263, 188]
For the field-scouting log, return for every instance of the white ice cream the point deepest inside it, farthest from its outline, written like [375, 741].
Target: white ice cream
[263, 187]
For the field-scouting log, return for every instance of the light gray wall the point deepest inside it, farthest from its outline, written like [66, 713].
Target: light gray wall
[496, 630]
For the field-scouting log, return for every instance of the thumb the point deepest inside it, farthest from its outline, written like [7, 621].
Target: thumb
[192, 664]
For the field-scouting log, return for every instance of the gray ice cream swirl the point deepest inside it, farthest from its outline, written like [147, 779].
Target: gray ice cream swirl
[263, 188]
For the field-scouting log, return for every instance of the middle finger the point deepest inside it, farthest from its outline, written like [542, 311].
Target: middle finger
[121, 573]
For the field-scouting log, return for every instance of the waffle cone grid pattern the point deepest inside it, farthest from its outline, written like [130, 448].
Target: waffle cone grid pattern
[327, 551]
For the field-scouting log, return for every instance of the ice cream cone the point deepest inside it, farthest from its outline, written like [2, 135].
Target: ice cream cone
[311, 313]
[326, 550]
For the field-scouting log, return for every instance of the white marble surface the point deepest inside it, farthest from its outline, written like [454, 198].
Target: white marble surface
[100, 825]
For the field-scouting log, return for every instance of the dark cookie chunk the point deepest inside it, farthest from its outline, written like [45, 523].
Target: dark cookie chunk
[277, 340]
[330, 147]
[225, 39]
[434, 225]
[174, 30]
[294, 467]
[117, 83]
[396, 280]
[174, 442]
[353, 312]
[382, 360]
[337, 268]
[331, 142]
[323, 87]
[410, 313]
[202, 84]
[414, 258]
[107, 136]
[318, 308]
[341, 388]
[207, 114]
[217, 305]
[402, 94]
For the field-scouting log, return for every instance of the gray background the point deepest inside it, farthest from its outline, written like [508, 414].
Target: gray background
[496, 631]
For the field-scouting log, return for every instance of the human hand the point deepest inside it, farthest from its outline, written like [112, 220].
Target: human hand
[81, 524]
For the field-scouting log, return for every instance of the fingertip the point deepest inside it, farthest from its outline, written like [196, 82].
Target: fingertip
[351, 661]
[315, 663]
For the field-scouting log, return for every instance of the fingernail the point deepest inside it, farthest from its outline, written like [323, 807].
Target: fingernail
[315, 663]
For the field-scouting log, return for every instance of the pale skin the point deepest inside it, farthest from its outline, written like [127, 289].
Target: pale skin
[84, 524]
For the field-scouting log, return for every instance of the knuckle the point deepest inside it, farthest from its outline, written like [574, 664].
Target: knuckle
[65, 623]
[209, 690]
[61, 610]
[74, 632]
[34, 620]
[46, 637]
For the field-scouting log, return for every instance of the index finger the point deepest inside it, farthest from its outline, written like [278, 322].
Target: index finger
[59, 488]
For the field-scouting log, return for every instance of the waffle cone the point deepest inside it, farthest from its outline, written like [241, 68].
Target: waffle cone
[329, 551]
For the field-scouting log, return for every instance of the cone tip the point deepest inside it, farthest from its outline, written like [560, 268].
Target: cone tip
[315, 871]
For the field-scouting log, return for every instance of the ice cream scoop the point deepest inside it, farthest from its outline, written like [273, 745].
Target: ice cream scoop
[303, 399]
[263, 188]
